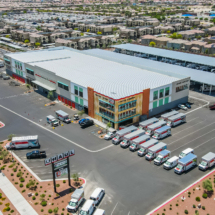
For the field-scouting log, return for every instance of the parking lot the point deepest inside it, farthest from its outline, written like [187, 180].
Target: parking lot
[133, 185]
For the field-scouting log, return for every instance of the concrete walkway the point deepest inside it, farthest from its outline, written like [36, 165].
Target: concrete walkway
[19, 202]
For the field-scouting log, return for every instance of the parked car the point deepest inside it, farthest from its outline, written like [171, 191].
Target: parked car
[86, 123]
[212, 107]
[82, 120]
[183, 107]
[36, 154]
[5, 77]
[188, 105]
[110, 135]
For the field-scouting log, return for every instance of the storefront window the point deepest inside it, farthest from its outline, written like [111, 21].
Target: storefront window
[127, 105]
[106, 105]
[155, 96]
[161, 93]
[127, 114]
[106, 113]
[180, 88]
[167, 91]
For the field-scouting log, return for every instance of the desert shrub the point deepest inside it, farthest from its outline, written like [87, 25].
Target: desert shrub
[194, 206]
[3, 198]
[50, 211]
[16, 182]
[21, 185]
[57, 185]
[22, 179]
[7, 204]
[23, 191]
[189, 193]
[44, 203]
[64, 181]
[36, 203]
[11, 174]
[1, 203]
[198, 199]
[27, 186]
[203, 207]
[205, 195]
[186, 211]
[0, 195]
[33, 197]
[42, 210]
[176, 204]
[49, 195]
[12, 211]
[36, 194]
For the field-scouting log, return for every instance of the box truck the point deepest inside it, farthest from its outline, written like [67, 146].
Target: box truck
[145, 146]
[170, 163]
[76, 199]
[161, 133]
[186, 152]
[186, 163]
[129, 137]
[23, 142]
[151, 128]
[176, 120]
[154, 150]
[162, 157]
[146, 123]
[51, 120]
[63, 116]
[169, 114]
[135, 144]
[207, 161]
[120, 134]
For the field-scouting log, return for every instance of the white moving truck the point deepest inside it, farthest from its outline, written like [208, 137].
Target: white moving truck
[154, 150]
[172, 162]
[144, 147]
[186, 152]
[135, 144]
[186, 163]
[176, 120]
[88, 208]
[207, 161]
[151, 128]
[169, 114]
[120, 134]
[162, 157]
[160, 133]
[99, 212]
[51, 120]
[146, 123]
[63, 116]
[76, 199]
[129, 137]
[23, 142]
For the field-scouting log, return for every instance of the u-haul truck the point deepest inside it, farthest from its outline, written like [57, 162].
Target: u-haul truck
[154, 151]
[207, 161]
[176, 119]
[129, 137]
[162, 132]
[23, 142]
[151, 129]
[144, 147]
[146, 123]
[135, 144]
[167, 115]
[162, 157]
[120, 134]
[186, 163]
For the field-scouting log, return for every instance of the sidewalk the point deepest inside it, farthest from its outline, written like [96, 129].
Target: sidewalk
[19, 202]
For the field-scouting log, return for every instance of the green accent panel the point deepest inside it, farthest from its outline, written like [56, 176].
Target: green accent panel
[80, 89]
[154, 104]
[161, 90]
[81, 102]
[166, 88]
[166, 101]
[63, 83]
[155, 93]
[30, 69]
[6, 59]
[76, 99]
[160, 102]
[76, 88]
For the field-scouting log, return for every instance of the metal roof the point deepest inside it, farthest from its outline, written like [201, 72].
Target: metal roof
[193, 58]
[149, 143]
[44, 85]
[187, 158]
[162, 129]
[208, 156]
[156, 66]
[157, 146]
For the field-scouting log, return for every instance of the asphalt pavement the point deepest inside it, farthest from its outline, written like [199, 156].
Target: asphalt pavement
[133, 185]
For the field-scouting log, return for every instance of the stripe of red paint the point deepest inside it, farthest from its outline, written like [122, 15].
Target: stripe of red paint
[21, 143]
[182, 192]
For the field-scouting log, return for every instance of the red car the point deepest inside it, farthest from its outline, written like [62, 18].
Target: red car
[212, 107]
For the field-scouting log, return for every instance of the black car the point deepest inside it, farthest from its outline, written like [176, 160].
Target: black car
[36, 154]
[86, 123]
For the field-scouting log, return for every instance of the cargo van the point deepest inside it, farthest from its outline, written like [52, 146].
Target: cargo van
[176, 120]
[145, 146]
[76, 199]
[129, 137]
[167, 115]
[150, 129]
[51, 120]
[170, 163]
[186, 152]
[162, 157]
[97, 195]
[88, 208]
[186, 163]
[161, 133]
[207, 161]
[154, 151]
[61, 115]
[135, 144]
[146, 123]
[120, 134]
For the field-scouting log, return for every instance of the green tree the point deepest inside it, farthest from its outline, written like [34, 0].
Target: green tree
[128, 13]
[152, 44]
[88, 30]
[82, 34]
[76, 29]
[50, 95]
[168, 32]
[75, 176]
[28, 86]
[80, 113]
[108, 126]
[207, 185]
[26, 41]
[24, 11]
[55, 210]
[7, 36]
[206, 51]
[10, 136]
[37, 44]
[99, 33]
[42, 196]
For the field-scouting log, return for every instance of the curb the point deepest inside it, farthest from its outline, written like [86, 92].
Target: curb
[178, 194]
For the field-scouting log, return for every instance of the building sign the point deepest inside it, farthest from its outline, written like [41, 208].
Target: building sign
[109, 100]
[60, 164]
[45, 78]
[127, 99]
[61, 172]
[59, 157]
[182, 82]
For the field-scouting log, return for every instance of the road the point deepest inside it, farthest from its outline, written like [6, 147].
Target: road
[133, 185]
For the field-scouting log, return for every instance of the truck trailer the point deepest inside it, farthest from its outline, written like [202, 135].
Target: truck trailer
[161, 133]
[145, 146]
[76, 199]
[162, 157]
[151, 129]
[135, 144]
[207, 161]
[154, 151]
[176, 120]
[146, 123]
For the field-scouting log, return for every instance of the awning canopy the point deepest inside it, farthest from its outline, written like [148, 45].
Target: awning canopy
[44, 86]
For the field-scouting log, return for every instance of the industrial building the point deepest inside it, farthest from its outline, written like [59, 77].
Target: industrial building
[107, 87]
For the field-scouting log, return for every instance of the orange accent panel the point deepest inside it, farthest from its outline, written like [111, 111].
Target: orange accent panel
[90, 101]
[145, 104]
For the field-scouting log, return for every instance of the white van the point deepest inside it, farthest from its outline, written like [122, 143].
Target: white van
[99, 212]
[88, 208]
[97, 195]
[186, 152]
[172, 162]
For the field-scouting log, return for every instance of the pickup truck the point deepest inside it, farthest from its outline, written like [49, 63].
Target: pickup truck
[36, 154]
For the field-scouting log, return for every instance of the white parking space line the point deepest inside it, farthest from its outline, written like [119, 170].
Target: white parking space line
[204, 143]
[129, 212]
[193, 119]
[193, 140]
[76, 144]
[191, 133]
[114, 208]
[188, 128]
